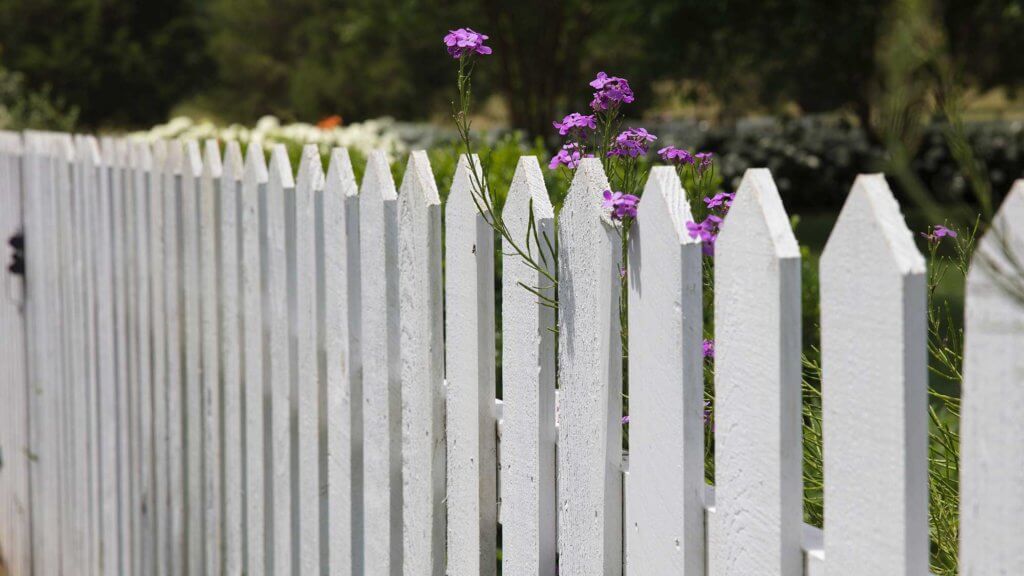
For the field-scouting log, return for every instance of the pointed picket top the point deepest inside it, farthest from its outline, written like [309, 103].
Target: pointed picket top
[91, 151]
[212, 168]
[871, 211]
[664, 199]
[590, 368]
[192, 160]
[377, 179]
[665, 486]
[65, 147]
[173, 160]
[463, 190]
[758, 203]
[422, 365]
[233, 164]
[340, 177]
[311, 169]
[255, 169]
[757, 383]
[122, 148]
[279, 169]
[528, 186]
[419, 181]
[528, 374]
[874, 388]
[158, 151]
[108, 151]
[992, 440]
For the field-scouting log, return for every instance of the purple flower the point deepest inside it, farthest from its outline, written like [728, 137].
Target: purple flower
[703, 160]
[568, 156]
[611, 91]
[721, 199]
[465, 42]
[938, 233]
[709, 348]
[625, 419]
[632, 142]
[672, 154]
[622, 205]
[707, 231]
[576, 121]
[708, 415]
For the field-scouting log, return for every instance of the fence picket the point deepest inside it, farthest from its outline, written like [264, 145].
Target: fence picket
[208, 256]
[303, 259]
[175, 352]
[195, 531]
[758, 493]
[229, 244]
[382, 384]
[665, 485]
[874, 389]
[422, 356]
[256, 373]
[160, 184]
[143, 191]
[992, 462]
[590, 381]
[15, 482]
[337, 274]
[133, 524]
[469, 304]
[528, 376]
[280, 190]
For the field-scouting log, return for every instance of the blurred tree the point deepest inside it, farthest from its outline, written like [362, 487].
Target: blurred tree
[118, 61]
[306, 59]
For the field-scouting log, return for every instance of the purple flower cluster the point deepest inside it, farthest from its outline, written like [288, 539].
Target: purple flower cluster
[701, 161]
[707, 231]
[569, 156]
[709, 348]
[576, 121]
[720, 200]
[611, 92]
[939, 232]
[621, 205]
[674, 155]
[632, 142]
[465, 42]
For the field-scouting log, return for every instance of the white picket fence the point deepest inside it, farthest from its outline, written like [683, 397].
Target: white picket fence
[213, 367]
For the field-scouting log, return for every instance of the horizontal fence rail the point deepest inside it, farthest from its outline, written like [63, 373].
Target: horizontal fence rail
[213, 363]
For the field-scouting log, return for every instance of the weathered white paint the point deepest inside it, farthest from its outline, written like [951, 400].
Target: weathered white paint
[175, 382]
[106, 366]
[336, 268]
[131, 342]
[158, 192]
[590, 380]
[422, 353]
[874, 389]
[665, 489]
[527, 458]
[280, 187]
[992, 441]
[43, 366]
[123, 391]
[14, 384]
[310, 182]
[469, 305]
[382, 384]
[195, 509]
[144, 175]
[255, 336]
[230, 245]
[758, 451]
[210, 339]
